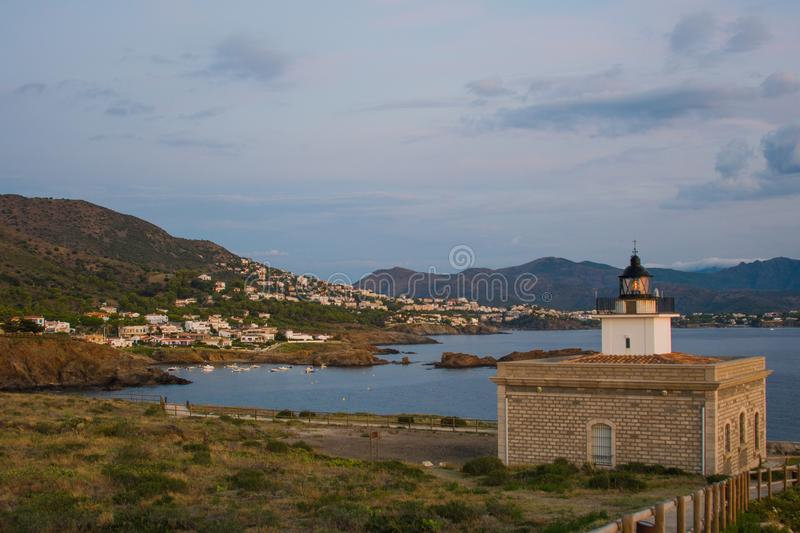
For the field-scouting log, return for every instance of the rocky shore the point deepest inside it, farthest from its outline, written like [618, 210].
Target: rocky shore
[38, 363]
[465, 360]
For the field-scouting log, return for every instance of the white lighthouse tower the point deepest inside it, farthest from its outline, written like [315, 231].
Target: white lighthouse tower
[637, 322]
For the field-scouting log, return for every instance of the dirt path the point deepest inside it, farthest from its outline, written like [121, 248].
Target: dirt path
[413, 446]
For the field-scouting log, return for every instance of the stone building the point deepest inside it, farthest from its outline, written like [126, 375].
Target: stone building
[637, 400]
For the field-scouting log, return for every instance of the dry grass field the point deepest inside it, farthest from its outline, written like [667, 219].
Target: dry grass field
[71, 463]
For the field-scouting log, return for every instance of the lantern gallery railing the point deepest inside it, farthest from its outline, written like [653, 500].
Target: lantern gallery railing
[606, 305]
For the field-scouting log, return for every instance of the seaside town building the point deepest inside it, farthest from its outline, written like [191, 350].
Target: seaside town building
[637, 400]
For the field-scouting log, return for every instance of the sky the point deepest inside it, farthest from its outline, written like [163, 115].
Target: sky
[336, 138]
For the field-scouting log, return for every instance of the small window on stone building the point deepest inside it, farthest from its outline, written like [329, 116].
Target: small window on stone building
[755, 431]
[741, 428]
[727, 437]
[627, 342]
[601, 445]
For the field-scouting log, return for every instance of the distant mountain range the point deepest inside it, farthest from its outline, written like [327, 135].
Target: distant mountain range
[66, 252]
[760, 286]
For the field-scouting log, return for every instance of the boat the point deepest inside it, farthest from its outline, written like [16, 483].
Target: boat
[323, 365]
[309, 370]
[207, 368]
[279, 369]
[172, 369]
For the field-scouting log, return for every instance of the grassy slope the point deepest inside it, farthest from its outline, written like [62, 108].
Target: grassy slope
[69, 463]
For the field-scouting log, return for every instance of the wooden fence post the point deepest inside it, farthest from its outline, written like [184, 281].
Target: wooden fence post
[709, 508]
[758, 483]
[723, 508]
[661, 518]
[681, 518]
[785, 473]
[716, 513]
[628, 525]
[747, 490]
[697, 509]
[769, 482]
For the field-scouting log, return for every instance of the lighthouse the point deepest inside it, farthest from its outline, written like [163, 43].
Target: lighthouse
[638, 320]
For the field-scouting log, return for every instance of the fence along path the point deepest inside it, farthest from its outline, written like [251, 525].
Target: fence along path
[711, 509]
[406, 421]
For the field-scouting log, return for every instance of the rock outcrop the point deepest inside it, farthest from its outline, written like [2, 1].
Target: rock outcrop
[465, 360]
[37, 362]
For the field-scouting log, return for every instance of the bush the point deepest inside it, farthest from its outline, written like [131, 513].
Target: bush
[306, 414]
[453, 421]
[153, 410]
[201, 454]
[119, 427]
[277, 446]
[49, 511]
[141, 480]
[558, 476]
[403, 516]
[250, 480]
[575, 524]
[456, 511]
[658, 470]
[285, 414]
[613, 479]
[483, 466]
[503, 511]
[405, 419]
[401, 469]
[303, 445]
[716, 478]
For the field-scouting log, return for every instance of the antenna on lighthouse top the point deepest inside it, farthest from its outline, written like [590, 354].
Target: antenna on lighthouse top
[635, 251]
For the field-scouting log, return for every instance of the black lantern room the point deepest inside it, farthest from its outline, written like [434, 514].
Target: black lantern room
[635, 280]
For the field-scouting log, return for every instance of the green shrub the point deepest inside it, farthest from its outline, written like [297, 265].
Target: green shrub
[503, 511]
[483, 466]
[58, 448]
[453, 421]
[405, 419]
[285, 414]
[201, 454]
[277, 446]
[658, 470]
[344, 516]
[154, 410]
[45, 428]
[558, 476]
[401, 469]
[579, 523]
[407, 516]
[456, 511]
[303, 445]
[49, 511]
[618, 480]
[119, 427]
[230, 420]
[251, 480]
[306, 414]
[716, 478]
[139, 477]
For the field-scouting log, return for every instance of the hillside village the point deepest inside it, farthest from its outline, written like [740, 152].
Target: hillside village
[194, 318]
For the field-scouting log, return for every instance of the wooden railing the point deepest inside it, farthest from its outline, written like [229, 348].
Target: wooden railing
[713, 507]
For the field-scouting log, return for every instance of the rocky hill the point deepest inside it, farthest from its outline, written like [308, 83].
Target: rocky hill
[562, 284]
[68, 251]
[34, 362]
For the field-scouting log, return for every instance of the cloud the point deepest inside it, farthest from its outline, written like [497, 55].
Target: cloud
[31, 88]
[210, 145]
[241, 58]
[747, 34]
[125, 108]
[203, 113]
[488, 88]
[700, 36]
[781, 151]
[693, 33]
[779, 84]
[732, 160]
[115, 137]
[706, 263]
[621, 114]
[412, 104]
[576, 85]
[268, 253]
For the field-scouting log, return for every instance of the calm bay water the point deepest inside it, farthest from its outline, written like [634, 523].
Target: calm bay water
[418, 388]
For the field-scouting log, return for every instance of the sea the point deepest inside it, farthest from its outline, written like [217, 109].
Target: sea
[420, 388]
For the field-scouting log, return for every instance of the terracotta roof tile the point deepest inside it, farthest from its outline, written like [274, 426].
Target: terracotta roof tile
[674, 358]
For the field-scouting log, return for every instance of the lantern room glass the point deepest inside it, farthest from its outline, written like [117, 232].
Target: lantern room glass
[634, 286]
